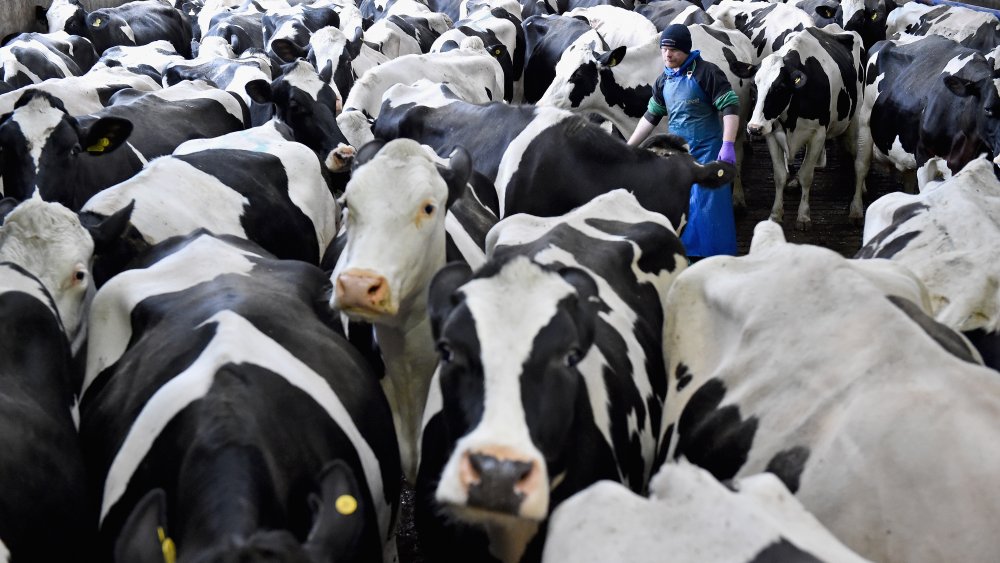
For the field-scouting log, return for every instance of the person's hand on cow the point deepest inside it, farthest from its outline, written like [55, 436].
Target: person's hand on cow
[728, 152]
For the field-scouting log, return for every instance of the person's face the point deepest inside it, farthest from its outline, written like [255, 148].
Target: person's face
[672, 58]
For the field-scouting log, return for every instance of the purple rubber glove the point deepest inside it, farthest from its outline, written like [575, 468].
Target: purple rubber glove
[728, 152]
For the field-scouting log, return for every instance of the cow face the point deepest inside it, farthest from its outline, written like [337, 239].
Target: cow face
[48, 240]
[41, 146]
[395, 208]
[868, 18]
[579, 73]
[509, 342]
[986, 93]
[777, 80]
[68, 16]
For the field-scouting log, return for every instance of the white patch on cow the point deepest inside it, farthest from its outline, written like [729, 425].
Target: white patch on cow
[127, 30]
[199, 89]
[59, 14]
[36, 120]
[956, 64]
[236, 341]
[618, 26]
[6, 54]
[304, 77]
[159, 54]
[205, 259]
[765, 78]
[4, 553]
[506, 337]
[511, 161]
[899, 157]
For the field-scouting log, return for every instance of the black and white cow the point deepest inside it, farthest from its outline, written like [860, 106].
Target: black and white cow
[946, 235]
[550, 377]
[665, 12]
[809, 91]
[223, 414]
[256, 184]
[150, 59]
[767, 24]
[68, 159]
[470, 71]
[546, 161]
[975, 29]
[869, 18]
[134, 23]
[692, 517]
[407, 27]
[617, 82]
[30, 58]
[84, 94]
[43, 485]
[331, 47]
[546, 37]
[880, 432]
[403, 219]
[618, 26]
[242, 30]
[296, 24]
[925, 98]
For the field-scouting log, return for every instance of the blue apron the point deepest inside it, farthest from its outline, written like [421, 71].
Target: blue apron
[711, 227]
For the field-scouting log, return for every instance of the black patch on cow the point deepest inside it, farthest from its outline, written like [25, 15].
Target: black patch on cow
[875, 248]
[988, 344]
[844, 104]
[631, 100]
[718, 35]
[683, 376]
[713, 437]
[949, 339]
[784, 551]
[584, 81]
[788, 464]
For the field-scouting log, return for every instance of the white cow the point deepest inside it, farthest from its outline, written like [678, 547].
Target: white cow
[831, 374]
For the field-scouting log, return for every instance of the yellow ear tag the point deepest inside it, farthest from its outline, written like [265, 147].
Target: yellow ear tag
[797, 80]
[720, 173]
[167, 546]
[97, 23]
[346, 504]
[496, 52]
[100, 145]
[612, 62]
[874, 17]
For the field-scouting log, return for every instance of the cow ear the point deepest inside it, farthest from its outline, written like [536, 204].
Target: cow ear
[742, 69]
[109, 229]
[259, 91]
[442, 296]
[612, 58]
[105, 135]
[7, 205]
[961, 87]
[143, 539]
[287, 50]
[457, 173]
[586, 304]
[326, 74]
[798, 79]
[338, 515]
[367, 152]
[354, 45]
[40, 17]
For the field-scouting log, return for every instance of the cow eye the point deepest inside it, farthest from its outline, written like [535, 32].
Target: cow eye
[76, 149]
[429, 209]
[444, 352]
[573, 357]
[80, 275]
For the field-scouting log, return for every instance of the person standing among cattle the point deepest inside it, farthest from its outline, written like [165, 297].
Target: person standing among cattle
[694, 93]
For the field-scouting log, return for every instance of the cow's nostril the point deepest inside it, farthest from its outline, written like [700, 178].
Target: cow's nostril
[374, 288]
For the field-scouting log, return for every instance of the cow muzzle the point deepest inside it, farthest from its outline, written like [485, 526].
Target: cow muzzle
[498, 481]
[755, 130]
[363, 292]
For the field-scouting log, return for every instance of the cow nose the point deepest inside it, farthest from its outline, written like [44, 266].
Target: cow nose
[755, 130]
[497, 483]
[364, 290]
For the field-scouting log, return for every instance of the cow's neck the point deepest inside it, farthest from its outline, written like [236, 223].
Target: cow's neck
[409, 356]
[509, 539]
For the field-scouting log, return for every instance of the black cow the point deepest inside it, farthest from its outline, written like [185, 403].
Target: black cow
[926, 98]
[224, 417]
[30, 58]
[545, 39]
[868, 18]
[133, 23]
[546, 161]
[550, 375]
[242, 30]
[68, 159]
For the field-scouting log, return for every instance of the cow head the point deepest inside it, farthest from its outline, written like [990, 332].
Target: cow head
[42, 146]
[777, 80]
[395, 206]
[107, 29]
[64, 15]
[868, 18]
[509, 340]
[339, 518]
[580, 71]
[983, 89]
[327, 47]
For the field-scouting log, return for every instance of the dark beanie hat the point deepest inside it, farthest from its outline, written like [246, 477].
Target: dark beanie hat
[676, 36]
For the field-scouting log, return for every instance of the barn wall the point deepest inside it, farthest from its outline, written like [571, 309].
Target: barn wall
[19, 15]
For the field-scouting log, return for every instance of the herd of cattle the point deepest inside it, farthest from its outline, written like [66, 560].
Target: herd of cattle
[265, 262]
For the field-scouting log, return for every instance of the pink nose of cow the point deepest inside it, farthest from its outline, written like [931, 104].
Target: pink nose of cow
[498, 480]
[363, 290]
[755, 130]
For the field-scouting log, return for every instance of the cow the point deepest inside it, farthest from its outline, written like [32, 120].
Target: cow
[84, 94]
[945, 236]
[809, 91]
[665, 12]
[546, 37]
[527, 409]
[296, 24]
[134, 23]
[304, 100]
[30, 58]
[869, 18]
[498, 25]
[43, 486]
[389, 288]
[926, 98]
[546, 161]
[836, 402]
[331, 47]
[256, 184]
[822, 12]
[70, 158]
[975, 29]
[234, 427]
[617, 26]
[242, 30]
[617, 82]
[470, 71]
[683, 516]
[150, 59]
[767, 24]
